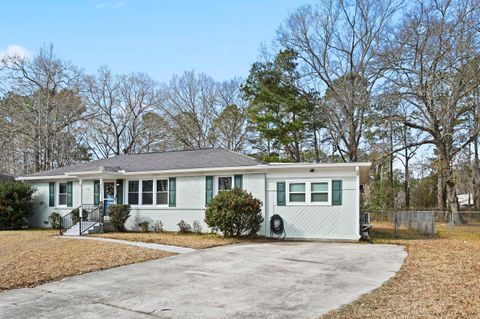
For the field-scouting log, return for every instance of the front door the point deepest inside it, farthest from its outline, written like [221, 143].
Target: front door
[108, 195]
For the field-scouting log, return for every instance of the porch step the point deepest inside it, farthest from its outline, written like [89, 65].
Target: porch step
[94, 227]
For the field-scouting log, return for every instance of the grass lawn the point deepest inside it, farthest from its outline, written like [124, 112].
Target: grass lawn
[32, 257]
[196, 241]
[439, 279]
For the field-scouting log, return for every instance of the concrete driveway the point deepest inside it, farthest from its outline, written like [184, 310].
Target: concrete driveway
[272, 280]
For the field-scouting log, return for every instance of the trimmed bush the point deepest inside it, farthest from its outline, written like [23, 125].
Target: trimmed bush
[16, 204]
[235, 213]
[144, 226]
[197, 228]
[54, 220]
[184, 227]
[158, 226]
[118, 215]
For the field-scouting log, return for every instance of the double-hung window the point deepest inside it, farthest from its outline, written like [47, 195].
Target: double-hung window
[62, 194]
[297, 192]
[319, 192]
[309, 192]
[133, 192]
[225, 183]
[162, 192]
[147, 192]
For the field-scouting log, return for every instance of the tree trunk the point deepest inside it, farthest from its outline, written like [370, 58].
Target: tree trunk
[407, 181]
[454, 216]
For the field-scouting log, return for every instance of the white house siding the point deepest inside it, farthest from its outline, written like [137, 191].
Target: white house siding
[42, 209]
[190, 201]
[316, 222]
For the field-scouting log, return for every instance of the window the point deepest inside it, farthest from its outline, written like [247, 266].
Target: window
[297, 193]
[319, 192]
[133, 192]
[162, 192]
[147, 192]
[309, 192]
[62, 194]
[224, 183]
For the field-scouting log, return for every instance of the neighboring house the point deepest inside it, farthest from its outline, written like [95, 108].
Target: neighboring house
[316, 201]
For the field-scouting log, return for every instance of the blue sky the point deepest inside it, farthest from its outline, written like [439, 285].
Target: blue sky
[220, 38]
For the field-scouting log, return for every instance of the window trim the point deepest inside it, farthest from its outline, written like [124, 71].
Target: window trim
[140, 192]
[308, 192]
[155, 188]
[152, 192]
[216, 186]
[58, 194]
[127, 188]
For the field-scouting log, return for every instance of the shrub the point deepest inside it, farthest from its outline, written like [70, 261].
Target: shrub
[54, 220]
[118, 215]
[158, 226]
[197, 228]
[184, 227]
[234, 212]
[16, 204]
[144, 226]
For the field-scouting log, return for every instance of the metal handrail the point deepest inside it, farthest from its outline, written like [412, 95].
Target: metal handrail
[66, 221]
[93, 215]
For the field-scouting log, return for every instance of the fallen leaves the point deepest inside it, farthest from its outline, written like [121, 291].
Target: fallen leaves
[196, 241]
[440, 278]
[32, 257]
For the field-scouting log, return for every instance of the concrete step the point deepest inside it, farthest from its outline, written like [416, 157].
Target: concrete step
[75, 229]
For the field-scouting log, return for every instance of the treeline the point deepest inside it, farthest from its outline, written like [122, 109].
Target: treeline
[394, 82]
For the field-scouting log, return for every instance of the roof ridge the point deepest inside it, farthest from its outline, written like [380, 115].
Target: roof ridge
[244, 155]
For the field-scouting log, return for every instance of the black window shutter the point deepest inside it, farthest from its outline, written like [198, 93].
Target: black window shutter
[172, 192]
[337, 192]
[96, 192]
[239, 181]
[208, 189]
[119, 191]
[281, 194]
[51, 194]
[69, 194]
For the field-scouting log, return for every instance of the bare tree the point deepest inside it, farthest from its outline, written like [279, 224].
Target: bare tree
[230, 125]
[429, 62]
[117, 105]
[189, 105]
[338, 43]
[42, 106]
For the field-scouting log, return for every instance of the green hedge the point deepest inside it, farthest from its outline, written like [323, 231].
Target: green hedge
[16, 204]
[235, 213]
[118, 215]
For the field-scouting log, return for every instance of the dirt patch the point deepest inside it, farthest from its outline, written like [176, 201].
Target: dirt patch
[196, 241]
[32, 257]
[440, 278]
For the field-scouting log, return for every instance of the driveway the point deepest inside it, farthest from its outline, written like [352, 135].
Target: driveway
[269, 280]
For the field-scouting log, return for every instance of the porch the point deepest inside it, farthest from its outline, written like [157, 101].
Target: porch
[86, 217]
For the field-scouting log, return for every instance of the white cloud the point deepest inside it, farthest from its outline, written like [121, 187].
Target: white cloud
[14, 50]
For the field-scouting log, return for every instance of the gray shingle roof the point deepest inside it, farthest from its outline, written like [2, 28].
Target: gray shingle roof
[170, 160]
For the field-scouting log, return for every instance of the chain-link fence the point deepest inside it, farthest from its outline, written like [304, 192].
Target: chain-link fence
[424, 221]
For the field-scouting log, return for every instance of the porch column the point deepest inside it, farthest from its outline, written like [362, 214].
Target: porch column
[101, 191]
[80, 209]
[80, 213]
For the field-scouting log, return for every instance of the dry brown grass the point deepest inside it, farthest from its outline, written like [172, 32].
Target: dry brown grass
[440, 278]
[32, 257]
[195, 241]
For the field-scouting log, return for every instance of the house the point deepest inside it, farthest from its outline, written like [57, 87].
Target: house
[315, 201]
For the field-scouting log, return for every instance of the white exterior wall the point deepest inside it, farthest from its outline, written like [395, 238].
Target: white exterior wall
[41, 208]
[190, 201]
[301, 221]
[316, 222]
